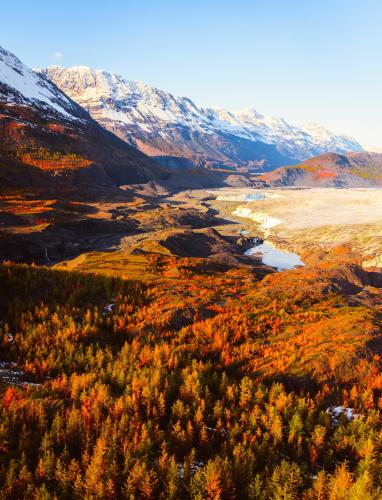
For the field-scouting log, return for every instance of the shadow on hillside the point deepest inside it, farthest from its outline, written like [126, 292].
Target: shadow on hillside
[64, 240]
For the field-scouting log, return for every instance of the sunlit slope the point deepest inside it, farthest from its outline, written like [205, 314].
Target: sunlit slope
[198, 380]
[309, 220]
[360, 169]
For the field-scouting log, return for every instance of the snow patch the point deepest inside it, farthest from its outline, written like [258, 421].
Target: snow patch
[195, 466]
[336, 411]
[266, 222]
[109, 307]
[30, 85]
[11, 374]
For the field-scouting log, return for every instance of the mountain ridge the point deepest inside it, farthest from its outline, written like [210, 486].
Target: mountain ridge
[357, 169]
[163, 125]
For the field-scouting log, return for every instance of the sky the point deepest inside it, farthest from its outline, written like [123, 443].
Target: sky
[305, 60]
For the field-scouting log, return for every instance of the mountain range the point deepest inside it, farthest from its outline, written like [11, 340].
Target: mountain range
[77, 126]
[178, 133]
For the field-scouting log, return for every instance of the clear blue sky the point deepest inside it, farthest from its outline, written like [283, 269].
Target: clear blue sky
[305, 60]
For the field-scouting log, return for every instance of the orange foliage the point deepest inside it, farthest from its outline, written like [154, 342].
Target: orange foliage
[324, 174]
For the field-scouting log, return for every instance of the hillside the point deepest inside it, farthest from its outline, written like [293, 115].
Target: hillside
[197, 386]
[179, 132]
[49, 141]
[358, 169]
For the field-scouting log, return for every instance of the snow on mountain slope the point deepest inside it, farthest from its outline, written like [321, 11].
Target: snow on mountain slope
[113, 98]
[161, 124]
[298, 142]
[21, 85]
[332, 142]
[48, 141]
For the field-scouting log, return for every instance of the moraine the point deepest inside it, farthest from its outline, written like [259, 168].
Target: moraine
[269, 254]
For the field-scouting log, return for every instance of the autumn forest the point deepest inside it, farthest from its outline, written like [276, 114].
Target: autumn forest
[132, 390]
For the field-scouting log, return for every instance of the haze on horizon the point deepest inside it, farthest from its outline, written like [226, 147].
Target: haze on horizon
[304, 61]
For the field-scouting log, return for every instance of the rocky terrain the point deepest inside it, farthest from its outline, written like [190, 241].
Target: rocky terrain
[48, 231]
[89, 190]
[310, 221]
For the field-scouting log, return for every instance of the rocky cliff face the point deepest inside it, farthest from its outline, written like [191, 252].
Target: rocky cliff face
[163, 125]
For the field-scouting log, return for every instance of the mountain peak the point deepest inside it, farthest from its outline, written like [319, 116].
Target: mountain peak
[250, 113]
[20, 84]
[161, 124]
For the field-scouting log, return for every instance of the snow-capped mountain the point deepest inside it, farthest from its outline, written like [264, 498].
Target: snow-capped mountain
[21, 85]
[48, 140]
[299, 142]
[163, 125]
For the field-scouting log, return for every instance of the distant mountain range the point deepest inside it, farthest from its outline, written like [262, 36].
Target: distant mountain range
[360, 169]
[178, 133]
[47, 139]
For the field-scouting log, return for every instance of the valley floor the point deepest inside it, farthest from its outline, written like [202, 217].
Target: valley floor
[304, 220]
